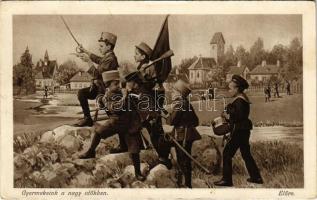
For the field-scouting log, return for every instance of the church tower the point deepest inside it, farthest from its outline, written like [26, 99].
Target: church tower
[217, 46]
[46, 58]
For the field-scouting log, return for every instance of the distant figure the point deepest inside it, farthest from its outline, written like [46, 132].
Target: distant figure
[202, 97]
[276, 93]
[288, 88]
[45, 91]
[267, 93]
[211, 92]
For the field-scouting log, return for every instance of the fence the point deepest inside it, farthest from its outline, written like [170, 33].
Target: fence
[295, 88]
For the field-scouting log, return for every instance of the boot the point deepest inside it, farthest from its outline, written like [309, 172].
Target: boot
[91, 153]
[136, 163]
[188, 179]
[87, 121]
[167, 162]
[223, 182]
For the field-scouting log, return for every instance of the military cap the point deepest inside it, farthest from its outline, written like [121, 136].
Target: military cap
[182, 87]
[110, 37]
[145, 48]
[240, 81]
[110, 75]
[133, 76]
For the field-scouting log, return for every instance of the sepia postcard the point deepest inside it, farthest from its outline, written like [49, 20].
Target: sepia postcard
[158, 100]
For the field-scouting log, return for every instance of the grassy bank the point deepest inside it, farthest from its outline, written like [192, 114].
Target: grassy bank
[280, 163]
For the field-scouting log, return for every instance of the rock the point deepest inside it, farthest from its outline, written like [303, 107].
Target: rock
[50, 178]
[86, 164]
[60, 132]
[37, 177]
[211, 160]
[161, 177]
[47, 137]
[150, 157]
[113, 160]
[145, 168]
[113, 183]
[83, 180]
[70, 168]
[71, 143]
[199, 183]
[128, 175]
[139, 184]
[208, 153]
[101, 172]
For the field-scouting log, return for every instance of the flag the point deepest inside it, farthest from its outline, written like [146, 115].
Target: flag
[163, 68]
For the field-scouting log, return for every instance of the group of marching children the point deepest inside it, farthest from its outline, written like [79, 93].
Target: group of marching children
[126, 118]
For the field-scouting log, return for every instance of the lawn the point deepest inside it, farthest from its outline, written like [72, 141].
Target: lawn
[286, 109]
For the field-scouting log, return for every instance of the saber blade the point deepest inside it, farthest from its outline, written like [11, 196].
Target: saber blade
[69, 30]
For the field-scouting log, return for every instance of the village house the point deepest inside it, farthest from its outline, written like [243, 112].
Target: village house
[240, 70]
[201, 70]
[80, 80]
[264, 71]
[46, 70]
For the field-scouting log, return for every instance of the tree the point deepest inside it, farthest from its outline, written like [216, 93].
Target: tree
[23, 74]
[257, 53]
[294, 60]
[229, 59]
[66, 71]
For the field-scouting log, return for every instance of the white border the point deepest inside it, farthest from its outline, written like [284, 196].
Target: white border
[88, 7]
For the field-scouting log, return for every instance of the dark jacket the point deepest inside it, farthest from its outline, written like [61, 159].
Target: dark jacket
[239, 111]
[183, 117]
[106, 63]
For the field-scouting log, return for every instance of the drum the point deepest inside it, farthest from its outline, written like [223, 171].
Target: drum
[220, 126]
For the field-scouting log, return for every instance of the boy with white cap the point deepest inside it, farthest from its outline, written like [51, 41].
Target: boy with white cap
[108, 62]
[123, 120]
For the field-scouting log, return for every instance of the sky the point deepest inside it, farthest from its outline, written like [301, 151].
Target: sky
[190, 35]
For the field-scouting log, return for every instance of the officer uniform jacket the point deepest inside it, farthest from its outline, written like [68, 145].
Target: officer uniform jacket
[238, 112]
[184, 119]
[105, 63]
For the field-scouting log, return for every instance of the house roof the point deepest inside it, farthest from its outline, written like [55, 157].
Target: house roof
[203, 63]
[81, 77]
[39, 75]
[46, 71]
[217, 38]
[236, 70]
[266, 69]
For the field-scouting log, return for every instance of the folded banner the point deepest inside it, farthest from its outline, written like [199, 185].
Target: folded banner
[163, 67]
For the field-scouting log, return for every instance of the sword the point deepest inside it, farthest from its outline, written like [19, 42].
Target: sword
[78, 50]
[188, 154]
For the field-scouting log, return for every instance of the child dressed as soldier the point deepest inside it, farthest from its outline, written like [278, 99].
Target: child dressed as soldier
[184, 120]
[123, 119]
[153, 93]
[108, 62]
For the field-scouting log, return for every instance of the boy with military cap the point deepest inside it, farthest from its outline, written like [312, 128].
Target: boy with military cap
[123, 119]
[240, 126]
[108, 62]
[155, 93]
[184, 120]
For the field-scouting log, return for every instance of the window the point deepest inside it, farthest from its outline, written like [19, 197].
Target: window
[198, 74]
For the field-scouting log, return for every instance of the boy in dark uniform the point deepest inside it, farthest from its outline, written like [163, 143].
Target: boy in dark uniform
[156, 93]
[108, 62]
[240, 125]
[123, 118]
[184, 120]
[153, 92]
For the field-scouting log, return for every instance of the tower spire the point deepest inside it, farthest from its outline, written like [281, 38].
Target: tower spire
[46, 58]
